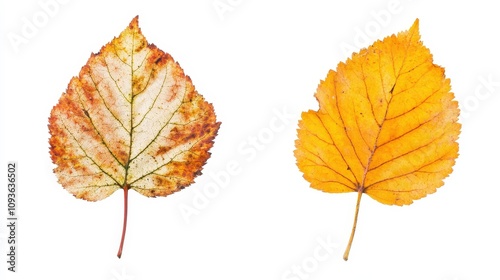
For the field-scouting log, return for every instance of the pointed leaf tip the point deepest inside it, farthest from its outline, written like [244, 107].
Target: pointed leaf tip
[415, 24]
[415, 30]
[134, 24]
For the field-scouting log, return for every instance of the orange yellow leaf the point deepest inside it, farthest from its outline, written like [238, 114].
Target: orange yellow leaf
[386, 125]
[130, 120]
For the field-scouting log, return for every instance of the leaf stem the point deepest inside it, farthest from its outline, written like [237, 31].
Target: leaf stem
[346, 253]
[125, 208]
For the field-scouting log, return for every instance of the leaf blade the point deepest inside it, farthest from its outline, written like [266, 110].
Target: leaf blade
[131, 117]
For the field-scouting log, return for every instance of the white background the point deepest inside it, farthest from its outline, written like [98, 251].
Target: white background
[256, 59]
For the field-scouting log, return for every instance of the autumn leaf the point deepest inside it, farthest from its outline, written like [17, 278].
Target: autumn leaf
[131, 120]
[386, 125]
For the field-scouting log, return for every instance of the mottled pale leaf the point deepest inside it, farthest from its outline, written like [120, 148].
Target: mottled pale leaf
[130, 120]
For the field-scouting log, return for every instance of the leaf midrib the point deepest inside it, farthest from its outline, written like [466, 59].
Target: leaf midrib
[131, 130]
